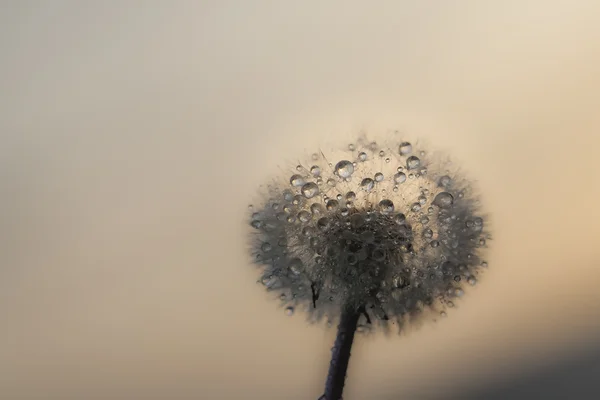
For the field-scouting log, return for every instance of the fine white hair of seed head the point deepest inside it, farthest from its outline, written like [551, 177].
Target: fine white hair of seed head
[390, 230]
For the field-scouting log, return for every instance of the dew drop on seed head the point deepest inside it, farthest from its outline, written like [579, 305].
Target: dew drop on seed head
[378, 177]
[344, 169]
[472, 281]
[443, 314]
[331, 182]
[362, 156]
[400, 219]
[315, 170]
[350, 196]
[387, 206]
[484, 264]
[405, 148]
[297, 180]
[422, 200]
[400, 177]
[310, 190]
[351, 147]
[296, 266]
[413, 162]
[367, 184]
[444, 181]
[323, 223]
[304, 216]
[332, 204]
[289, 311]
[443, 200]
[387, 160]
[298, 168]
[317, 209]
[381, 153]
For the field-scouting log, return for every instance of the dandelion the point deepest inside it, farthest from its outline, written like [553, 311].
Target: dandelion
[382, 240]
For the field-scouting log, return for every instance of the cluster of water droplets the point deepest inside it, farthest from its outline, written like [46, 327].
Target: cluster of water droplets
[381, 228]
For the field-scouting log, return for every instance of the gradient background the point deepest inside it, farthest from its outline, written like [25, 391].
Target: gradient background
[134, 133]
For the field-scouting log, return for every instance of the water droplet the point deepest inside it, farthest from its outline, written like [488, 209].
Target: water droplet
[428, 233]
[351, 147]
[310, 190]
[443, 314]
[315, 156]
[457, 278]
[288, 195]
[400, 218]
[352, 259]
[323, 223]
[472, 281]
[482, 242]
[317, 209]
[387, 206]
[287, 209]
[405, 148]
[400, 177]
[332, 205]
[308, 231]
[378, 177]
[387, 160]
[357, 220]
[444, 181]
[291, 219]
[443, 200]
[381, 153]
[256, 224]
[459, 292]
[367, 184]
[297, 180]
[424, 220]
[484, 264]
[362, 156]
[450, 304]
[350, 196]
[289, 311]
[395, 189]
[413, 162]
[422, 200]
[304, 216]
[434, 243]
[266, 246]
[295, 266]
[416, 207]
[331, 182]
[315, 170]
[298, 168]
[344, 169]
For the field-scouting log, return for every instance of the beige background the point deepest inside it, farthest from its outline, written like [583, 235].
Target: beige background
[134, 133]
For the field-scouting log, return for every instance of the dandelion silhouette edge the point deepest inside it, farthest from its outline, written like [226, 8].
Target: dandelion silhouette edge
[388, 230]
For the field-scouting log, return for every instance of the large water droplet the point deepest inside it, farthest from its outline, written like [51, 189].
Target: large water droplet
[413, 162]
[443, 200]
[400, 177]
[367, 184]
[400, 219]
[378, 177]
[315, 170]
[304, 216]
[297, 180]
[310, 190]
[405, 148]
[387, 206]
[344, 169]
[332, 204]
[323, 223]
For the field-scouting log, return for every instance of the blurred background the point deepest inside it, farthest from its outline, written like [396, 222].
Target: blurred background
[134, 134]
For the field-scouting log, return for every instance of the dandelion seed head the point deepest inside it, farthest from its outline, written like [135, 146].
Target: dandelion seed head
[393, 236]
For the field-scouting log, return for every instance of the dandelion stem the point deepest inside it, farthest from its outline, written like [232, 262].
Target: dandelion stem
[340, 354]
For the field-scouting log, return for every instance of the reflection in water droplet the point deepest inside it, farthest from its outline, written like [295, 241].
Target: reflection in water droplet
[472, 281]
[413, 162]
[367, 184]
[310, 190]
[405, 148]
[400, 219]
[304, 216]
[317, 209]
[297, 180]
[331, 182]
[400, 177]
[323, 223]
[443, 200]
[298, 168]
[332, 205]
[315, 170]
[351, 147]
[387, 206]
[434, 243]
[344, 168]
[378, 177]
[362, 156]
[444, 181]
